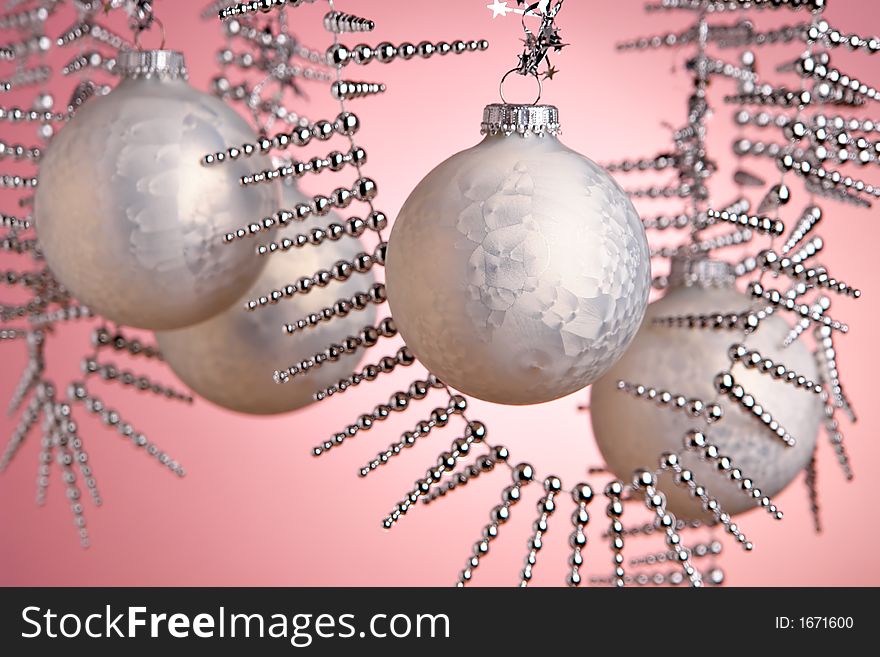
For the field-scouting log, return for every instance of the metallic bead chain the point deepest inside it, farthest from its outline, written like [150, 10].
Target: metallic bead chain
[794, 268]
[649, 528]
[12, 334]
[726, 384]
[664, 222]
[334, 161]
[97, 33]
[751, 359]
[399, 401]
[438, 419]
[784, 34]
[710, 412]
[646, 482]
[55, 440]
[523, 474]
[721, 321]
[16, 223]
[826, 356]
[734, 238]
[714, 576]
[546, 507]
[483, 465]
[32, 374]
[764, 225]
[363, 190]
[69, 314]
[811, 482]
[697, 551]
[19, 152]
[828, 178]
[339, 22]
[718, 6]
[368, 337]
[255, 6]
[352, 89]
[17, 182]
[838, 194]
[102, 338]
[810, 218]
[341, 270]
[776, 300]
[35, 45]
[403, 358]
[360, 301]
[837, 123]
[776, 97]
[715, 33]
[319, 205]
[685, 479]
[835, 144]
[345, 124]
[695, 441]
[657, 163]
[11, 243]
[582, 494]
[353, 227]
[675, 191]
[474, 433]
[820, 305]
[777, 196]
[340, 55]
[835, 437]
[25, 424]
[743, 147]
[67, 426]
[808, 66]
[614, 511]
[265, 39]
[89, 60]
[110, 372]
[747, 179]
[832, 38]
[80, 394]
[26, 18]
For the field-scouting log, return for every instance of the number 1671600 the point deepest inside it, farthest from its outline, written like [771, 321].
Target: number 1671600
[814, 622]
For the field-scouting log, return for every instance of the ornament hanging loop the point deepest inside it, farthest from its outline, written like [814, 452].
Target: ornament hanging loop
[141, 18]
[517, 70]
[139, 31]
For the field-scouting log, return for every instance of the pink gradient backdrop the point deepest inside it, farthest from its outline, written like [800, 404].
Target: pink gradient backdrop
[257, 509]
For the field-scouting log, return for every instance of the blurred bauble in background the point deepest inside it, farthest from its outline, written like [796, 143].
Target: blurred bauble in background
[518, 271]
[129, 219]
[230, 359]
[633, 432]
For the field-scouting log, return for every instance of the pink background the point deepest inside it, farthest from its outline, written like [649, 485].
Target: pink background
[257, 509]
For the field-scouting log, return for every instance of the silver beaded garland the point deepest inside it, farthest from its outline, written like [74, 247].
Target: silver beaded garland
[49, 306]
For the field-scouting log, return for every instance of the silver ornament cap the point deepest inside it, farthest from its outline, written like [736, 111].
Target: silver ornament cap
[162, 64]
[524, 120]
[700, 271]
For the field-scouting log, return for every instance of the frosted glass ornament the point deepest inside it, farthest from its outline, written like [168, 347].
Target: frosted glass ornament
[129, 220]
[230, 358]
[632, 433]
[518, 271]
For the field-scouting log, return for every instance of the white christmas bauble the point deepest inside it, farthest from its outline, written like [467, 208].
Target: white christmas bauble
[230, 358]
[518, 271]
[633, 432]
[128, 218]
